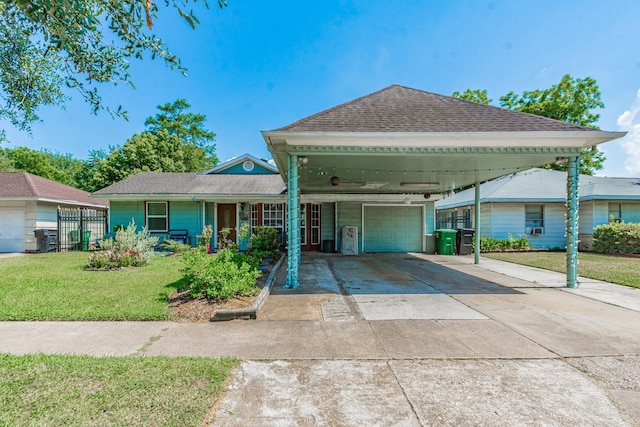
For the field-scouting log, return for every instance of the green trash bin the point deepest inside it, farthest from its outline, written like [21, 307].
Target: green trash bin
[75, 240]
[445, 241]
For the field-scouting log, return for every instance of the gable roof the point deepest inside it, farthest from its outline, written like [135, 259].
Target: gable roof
[23, 185]
[544, 186]
[402, 109]
[238, 160]
[192, 184]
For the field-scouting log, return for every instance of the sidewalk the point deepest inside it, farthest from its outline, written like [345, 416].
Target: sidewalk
[611, 293]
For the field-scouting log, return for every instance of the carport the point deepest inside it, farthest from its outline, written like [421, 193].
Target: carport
[416, 145]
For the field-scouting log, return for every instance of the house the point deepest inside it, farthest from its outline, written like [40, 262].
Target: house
[243, 190]
[532, 203]
[29, 202]
[362, 176]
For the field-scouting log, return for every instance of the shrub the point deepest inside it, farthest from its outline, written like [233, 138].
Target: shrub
[224, 276]
[128, 248]
[617, 238]
[264, 241]
[204, 241]
[488, 244]
[175, 246]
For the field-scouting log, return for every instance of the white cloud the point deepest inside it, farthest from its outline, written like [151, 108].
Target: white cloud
[629, 121]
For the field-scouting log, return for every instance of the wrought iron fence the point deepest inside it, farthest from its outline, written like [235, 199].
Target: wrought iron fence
[80, 228]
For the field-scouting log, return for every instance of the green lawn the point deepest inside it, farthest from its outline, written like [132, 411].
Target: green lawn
[55, 286]
[45, 390]
[610, 268]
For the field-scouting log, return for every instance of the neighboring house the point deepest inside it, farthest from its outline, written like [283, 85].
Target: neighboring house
[29, 202]
[532, 203]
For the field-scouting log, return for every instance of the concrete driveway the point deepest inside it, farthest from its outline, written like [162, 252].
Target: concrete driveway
[444, 342]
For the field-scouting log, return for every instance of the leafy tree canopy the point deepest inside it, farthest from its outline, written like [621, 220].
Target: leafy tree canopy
[46, 46]
[58, 167]
[189, 127]
[146, 152]
[572, 100]
[474, 95]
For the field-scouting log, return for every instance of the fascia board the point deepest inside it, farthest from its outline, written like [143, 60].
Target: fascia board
[193, 197]
[58, 201]
[572, 139]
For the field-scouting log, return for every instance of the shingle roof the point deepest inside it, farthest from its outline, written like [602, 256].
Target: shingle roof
[26, 185]
[543, 185]
[191, 183]
[402, 109]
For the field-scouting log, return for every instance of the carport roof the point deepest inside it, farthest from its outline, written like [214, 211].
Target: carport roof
[402, 109]
[402, 140]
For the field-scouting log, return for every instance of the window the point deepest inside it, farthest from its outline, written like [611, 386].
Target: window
[157, 216]
[254, 218]
[534, 218]
[303, 224]
[273, 215]
[315, 224]
[615, 212]
[466, 218]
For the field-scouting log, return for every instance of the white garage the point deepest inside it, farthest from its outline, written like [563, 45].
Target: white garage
[396, 228]
[12, 237]
[29, 202]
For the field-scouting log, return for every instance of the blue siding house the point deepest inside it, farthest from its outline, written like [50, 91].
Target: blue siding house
[532, 203]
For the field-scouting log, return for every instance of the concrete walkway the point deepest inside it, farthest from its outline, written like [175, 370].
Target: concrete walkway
[401, 339]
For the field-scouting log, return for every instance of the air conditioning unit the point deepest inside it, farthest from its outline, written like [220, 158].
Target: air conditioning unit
[349, 242]
[537, 230]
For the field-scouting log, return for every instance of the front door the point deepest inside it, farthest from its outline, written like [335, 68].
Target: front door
[227, 219]
[310, 227]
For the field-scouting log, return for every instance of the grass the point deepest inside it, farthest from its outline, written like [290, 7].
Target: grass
[38, 390]
[609, 268]
[55, 286]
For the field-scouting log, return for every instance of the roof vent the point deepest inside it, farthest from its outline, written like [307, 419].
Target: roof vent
[248, 166]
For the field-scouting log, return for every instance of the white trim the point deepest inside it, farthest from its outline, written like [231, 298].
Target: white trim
[228, 198]
[165, 216]
[344, 197]
[554, 139]
[248, 166]
[240, 159]
[215, 226]
[52, 200]
[335, 226]
[422, 222]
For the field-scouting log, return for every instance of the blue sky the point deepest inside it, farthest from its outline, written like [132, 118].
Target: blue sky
[259, 65]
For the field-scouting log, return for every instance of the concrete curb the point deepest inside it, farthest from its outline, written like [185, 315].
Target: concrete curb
[250, 312]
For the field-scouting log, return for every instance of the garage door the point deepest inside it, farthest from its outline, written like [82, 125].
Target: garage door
[392, 229]
[11, 230]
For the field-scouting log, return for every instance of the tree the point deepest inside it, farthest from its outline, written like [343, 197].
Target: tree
[46, 46]
[571, 100]
[473, 95]
[189, 127]
[146, 152]
[175, 141]
[57, 167]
